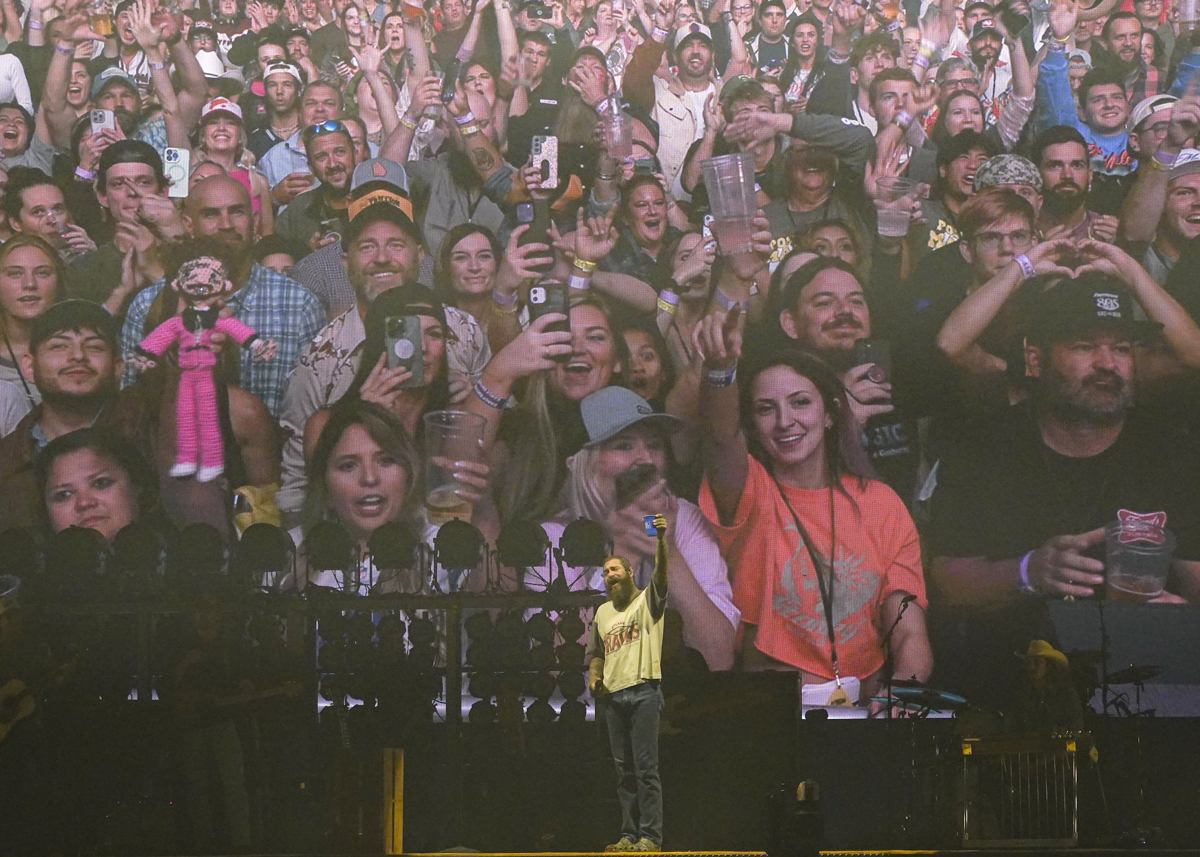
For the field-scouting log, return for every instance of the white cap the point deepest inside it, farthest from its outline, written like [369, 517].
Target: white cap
[1187, 163]
[220, 105]
[688, 30]
[210, 63]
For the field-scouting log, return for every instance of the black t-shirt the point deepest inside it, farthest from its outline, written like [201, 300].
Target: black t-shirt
[891, 441]
[1004, 493]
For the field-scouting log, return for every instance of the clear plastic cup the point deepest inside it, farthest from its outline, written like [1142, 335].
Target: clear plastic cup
[450, 436]
[733, 200]
[618, 134]
[894, 216]
[1137, 560]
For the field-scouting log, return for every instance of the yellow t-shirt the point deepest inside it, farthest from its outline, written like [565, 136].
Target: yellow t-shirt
[629, 640]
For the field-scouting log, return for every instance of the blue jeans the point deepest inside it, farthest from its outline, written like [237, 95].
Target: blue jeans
[631, 716]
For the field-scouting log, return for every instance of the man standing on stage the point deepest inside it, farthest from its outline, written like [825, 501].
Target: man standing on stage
[625, 665]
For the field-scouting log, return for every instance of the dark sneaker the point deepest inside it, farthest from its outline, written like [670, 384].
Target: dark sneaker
[645, 844]
[625, 844]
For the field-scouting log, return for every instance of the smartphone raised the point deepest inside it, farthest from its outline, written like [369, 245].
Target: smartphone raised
[177, 167]
[877, 352]
[536, 215]
[103, 120]
[544, 152]
[550, 296]
[404, 341]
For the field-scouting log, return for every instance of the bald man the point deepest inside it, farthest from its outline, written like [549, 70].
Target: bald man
[275, 306]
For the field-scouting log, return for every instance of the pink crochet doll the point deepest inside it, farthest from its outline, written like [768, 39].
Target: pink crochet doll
[202, 284]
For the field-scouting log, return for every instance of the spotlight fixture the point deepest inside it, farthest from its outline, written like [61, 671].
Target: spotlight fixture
[523, 544]
[263, 555]
[329, 547]
[584, 543]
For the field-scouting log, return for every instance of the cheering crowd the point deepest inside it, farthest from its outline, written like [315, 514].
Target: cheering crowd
[843, 421]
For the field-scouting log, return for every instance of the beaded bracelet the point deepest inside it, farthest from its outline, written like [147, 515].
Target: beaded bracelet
[1026, 266]
[720, 378]
[584, 265]
[488, 397]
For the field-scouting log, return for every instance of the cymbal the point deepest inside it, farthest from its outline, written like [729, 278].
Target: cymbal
[1135, 674]
[927, 697]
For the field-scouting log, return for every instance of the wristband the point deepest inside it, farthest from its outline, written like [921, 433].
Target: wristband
[666, 306]
[921, 61]
[1164, 159]
[466, 119]
[65, 51]
[904, 119]
[468, 130]
[504, 300]
[669, 296]
[727, 303]
[36, 25]
[488, 397]
[720, 378]
[408, 123]
[584, 265]
[578, 283]
[84, 175]
[603, 107]
[837, 57]
[463, 59]
[156, 66]
[1027, 268]
[659, 35]
[1025, 586]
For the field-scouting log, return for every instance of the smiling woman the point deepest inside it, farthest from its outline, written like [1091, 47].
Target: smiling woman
[30, 272]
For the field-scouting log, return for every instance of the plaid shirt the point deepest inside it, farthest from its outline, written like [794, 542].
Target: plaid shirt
[275, 306]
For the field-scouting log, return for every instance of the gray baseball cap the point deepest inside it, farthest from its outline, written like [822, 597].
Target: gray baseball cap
[608, 412]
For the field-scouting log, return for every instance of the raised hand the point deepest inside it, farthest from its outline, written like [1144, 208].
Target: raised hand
[148, 35]
[369, 59]
[718, 337]
[383, 385]
[426, 93]
[595, 237]
[521, 262]
[1064, 15]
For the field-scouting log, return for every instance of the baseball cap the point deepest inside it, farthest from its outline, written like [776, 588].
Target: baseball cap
[694, 28]
[210, 64]
[985, 25]
[379, 191]
[1187, 163]
[1147, 107]
[120, 7]
[1081, 55]
[130, 152]
[282, 68]
[74, 314]
[1088, 301]
[221, 105]
[608, 412]
[1008, 169]
[112, 74]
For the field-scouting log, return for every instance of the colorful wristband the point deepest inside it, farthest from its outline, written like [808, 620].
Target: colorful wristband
[578, 283]
[584, 265]
[1026, 586]
[466, 119]
[36, 25]
[84, 175]
[408, 123]
[468, 130]
[1027, 268]
[667, 307]
[488, 397]
[659, 35]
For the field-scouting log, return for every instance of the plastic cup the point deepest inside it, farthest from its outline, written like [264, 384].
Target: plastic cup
[648, 523]
[618, 135]
[733, 200]
[1137, 559]
[450, 436]
[894, 217]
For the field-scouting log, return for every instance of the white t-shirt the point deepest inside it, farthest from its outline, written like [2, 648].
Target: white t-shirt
[695, 102]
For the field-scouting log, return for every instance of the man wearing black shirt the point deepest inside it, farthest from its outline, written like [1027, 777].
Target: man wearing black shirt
[1022, 511]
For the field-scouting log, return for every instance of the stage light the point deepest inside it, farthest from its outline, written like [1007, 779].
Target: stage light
[394, 546]
[540, 627]
[584, 543]
[483, 685]
[541, 657]
[523, 544]
[264, 554]
[511, 626]
[572, 683]
[422, 632]
[540, 711]
[482, 712]
[478, 625]
[198, 555]
[328, 547]
[458, 548]
[392, 629]
[540, 685]
[138, 554]
[75, 560]
[570, 654]
[570, 626]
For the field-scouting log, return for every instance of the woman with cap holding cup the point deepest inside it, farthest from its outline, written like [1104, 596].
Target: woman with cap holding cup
[222, 137]
[619, 479]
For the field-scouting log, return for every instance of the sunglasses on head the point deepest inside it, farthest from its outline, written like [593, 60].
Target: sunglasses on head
[330, 127]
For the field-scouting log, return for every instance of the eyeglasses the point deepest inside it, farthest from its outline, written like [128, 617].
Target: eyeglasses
[331, 127]
[991, 241]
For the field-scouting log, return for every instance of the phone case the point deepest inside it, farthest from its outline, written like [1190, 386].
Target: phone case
[545, 158]
[102, 120]
[545, 298]
[404, 342]
[177, 168]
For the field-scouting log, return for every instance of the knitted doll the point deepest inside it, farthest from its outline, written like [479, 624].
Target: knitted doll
[202, 284]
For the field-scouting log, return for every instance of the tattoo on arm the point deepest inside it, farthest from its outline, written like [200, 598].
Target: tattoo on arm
[483, 158]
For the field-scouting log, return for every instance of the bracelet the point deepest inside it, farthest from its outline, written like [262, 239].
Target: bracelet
[669, 296]
[36, 25]
[1025, 586]
[1164, 159]
[156, 66]
[1027, 268]
[659, 35]
[488, 397]
[578, 283]
[408, 123]
[921, 61]
[720, 377]
[468, 130]
[65, 51]
[727, 303]
[84, 175]
[666, 306]
[1056, 40]
[466, 119]
[504, 300]
[584, 265]
[837, 57]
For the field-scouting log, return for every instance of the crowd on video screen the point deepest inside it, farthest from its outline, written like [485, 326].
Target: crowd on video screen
[888, 306]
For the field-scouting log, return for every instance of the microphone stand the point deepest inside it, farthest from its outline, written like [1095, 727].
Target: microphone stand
[887, 644]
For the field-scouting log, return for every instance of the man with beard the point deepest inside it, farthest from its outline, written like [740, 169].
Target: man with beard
[74, 361]
[1121, 37]
[624, 656]
[281, 83]
[317, 215]
[275, 306]
[380, 250]
[995, 73]
[823, 307]
[1057, 469]
[1061, 156]
[286, 164]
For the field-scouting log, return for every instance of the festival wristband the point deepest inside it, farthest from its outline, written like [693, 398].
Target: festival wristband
[1025, 586]
[1165, 160]
[408, 123]
[468, 130]
[837, 57]
[720, 378]
[578, 283]
[727, 303]
[66, 51]
[466, 119]
[156, 66]
[665, 306]
[504, 300]
[488, 397]
[36, 25]
[584, 265]
[84, 175]
[1027, 268]
[670, 296]
[659, 35]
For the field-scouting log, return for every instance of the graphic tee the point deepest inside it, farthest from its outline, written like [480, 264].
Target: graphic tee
[629, 640]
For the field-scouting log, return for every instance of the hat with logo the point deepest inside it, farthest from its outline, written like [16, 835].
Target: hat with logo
[1147, 107]
[379, 191]
[1008, 170]
[608, 412]
[1186, 163]
[221, 105]
[985, 25]
[108, 77]
[687, 31]
[1088, 302]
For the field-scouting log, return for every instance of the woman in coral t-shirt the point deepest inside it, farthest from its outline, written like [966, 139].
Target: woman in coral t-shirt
[782, 452]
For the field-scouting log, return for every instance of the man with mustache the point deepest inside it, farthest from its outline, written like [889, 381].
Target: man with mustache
[75, 363]
[624, 656]
[319, 215]
[823, 306]
[1061, 156]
